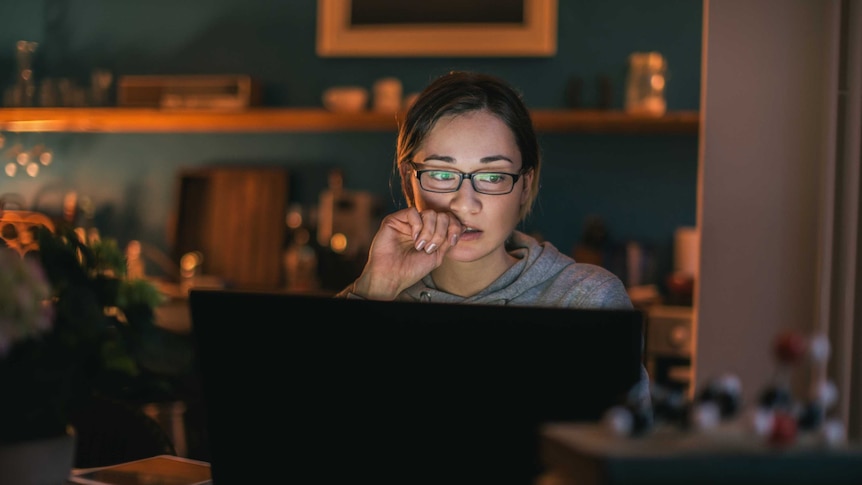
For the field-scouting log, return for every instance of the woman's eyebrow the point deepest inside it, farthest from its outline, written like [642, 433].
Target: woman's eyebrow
[494, 158]
[442, 158]
[488, 159]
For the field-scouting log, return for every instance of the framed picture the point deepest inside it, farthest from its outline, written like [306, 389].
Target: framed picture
[442, 28]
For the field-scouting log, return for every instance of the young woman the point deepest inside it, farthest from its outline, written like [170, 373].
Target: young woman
[469, 163]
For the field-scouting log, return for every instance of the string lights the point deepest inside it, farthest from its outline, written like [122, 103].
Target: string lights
[21, 161]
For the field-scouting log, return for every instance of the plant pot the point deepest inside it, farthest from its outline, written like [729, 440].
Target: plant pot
[46, 461]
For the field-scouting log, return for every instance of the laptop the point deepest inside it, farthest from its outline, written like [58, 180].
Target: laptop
[301, 388]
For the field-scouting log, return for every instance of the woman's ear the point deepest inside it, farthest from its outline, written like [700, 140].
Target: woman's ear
[406, 184]
[528, 186]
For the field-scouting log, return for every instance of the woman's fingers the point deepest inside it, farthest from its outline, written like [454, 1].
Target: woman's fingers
[425, 238]
[414, 220]
[437, 228]
[454, 233]
[428, 230]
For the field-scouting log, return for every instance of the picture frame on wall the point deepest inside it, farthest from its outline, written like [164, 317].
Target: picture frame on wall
[443, 28]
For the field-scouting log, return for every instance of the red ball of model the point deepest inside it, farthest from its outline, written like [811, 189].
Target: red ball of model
[783, 429]
[790, 347]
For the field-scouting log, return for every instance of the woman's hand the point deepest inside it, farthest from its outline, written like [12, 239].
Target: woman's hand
[408, 245]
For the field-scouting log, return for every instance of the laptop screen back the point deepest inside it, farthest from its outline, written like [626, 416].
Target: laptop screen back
[312, 389]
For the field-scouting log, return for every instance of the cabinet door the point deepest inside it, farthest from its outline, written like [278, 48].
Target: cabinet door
[235, 217]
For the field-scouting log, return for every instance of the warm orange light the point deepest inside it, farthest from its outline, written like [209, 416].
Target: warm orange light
[189, 263]
[657, 82]
[294, 219]
[338, 242]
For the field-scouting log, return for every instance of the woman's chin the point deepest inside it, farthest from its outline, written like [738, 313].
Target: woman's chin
[458, 254]
[464, 253]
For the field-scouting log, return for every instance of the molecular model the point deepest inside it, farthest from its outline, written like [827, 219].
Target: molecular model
[778, 418]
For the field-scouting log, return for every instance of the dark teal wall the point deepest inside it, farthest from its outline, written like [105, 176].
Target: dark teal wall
[643, 186]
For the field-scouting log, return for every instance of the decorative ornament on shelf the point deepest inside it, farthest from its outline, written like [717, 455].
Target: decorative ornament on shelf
[778, 419]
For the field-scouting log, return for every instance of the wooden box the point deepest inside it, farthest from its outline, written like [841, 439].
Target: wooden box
[188, 92]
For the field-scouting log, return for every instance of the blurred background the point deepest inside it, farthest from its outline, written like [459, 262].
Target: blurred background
[619, 189]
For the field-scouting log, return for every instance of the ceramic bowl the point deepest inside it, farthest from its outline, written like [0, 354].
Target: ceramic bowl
[345, 99]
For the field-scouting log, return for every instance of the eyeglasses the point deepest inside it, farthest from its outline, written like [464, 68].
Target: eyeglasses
[445, 181]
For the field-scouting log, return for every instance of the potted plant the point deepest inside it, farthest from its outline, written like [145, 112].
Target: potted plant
[72, 326]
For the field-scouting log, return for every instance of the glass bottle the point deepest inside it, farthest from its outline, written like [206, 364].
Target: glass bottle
[24, 89]
[300, 255]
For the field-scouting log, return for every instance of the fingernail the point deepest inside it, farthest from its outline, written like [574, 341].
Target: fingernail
[454, 239]
[415, 236]
[431, 247]
[420, 244]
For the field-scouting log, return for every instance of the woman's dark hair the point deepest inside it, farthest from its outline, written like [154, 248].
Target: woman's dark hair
[459, 92]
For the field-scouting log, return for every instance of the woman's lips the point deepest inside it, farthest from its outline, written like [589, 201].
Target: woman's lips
[470, 234]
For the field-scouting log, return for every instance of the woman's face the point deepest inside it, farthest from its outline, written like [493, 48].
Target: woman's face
[476, 141]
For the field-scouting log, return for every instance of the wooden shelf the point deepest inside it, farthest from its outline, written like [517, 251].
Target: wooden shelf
[596, 121]
[276, 120]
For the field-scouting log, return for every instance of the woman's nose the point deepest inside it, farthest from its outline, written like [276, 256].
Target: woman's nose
[465, 199]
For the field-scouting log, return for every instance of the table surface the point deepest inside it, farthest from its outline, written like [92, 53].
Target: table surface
[590, 454]
[156, 470]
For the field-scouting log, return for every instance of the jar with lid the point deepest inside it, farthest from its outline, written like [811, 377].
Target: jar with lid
[645, 84]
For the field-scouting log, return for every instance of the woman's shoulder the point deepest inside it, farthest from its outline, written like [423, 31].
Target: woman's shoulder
[593, 286]
[591, 268]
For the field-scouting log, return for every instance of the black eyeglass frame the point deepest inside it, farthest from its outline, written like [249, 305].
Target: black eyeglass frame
[464, 175]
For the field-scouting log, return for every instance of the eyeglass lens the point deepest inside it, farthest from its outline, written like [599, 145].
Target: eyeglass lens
[493, 183]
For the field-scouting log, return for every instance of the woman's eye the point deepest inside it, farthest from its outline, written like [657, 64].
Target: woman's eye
[442, 175]
[492, 178]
